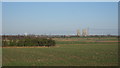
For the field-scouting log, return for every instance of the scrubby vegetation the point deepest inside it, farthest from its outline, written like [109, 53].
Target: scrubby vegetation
[27, 41]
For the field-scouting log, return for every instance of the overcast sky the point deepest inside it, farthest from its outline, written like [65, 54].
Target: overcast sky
[59, 17]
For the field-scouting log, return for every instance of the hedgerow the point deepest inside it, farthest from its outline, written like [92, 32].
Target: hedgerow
[28, 41]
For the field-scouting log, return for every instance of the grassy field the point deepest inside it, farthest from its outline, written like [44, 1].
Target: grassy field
[91, 51]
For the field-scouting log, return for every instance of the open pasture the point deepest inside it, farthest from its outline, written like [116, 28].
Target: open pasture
[89, 51]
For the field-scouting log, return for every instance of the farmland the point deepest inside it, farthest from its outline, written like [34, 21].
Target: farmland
[90, 51]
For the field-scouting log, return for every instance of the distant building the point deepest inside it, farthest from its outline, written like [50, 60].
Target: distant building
[84, 32]
[78, 32]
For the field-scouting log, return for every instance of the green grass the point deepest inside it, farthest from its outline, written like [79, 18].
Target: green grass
[65, 53]
[78, 42]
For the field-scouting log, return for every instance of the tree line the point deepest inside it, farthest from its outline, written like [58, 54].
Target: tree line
[27, 41]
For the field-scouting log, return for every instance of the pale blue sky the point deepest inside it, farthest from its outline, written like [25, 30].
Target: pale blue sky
[59, 17]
